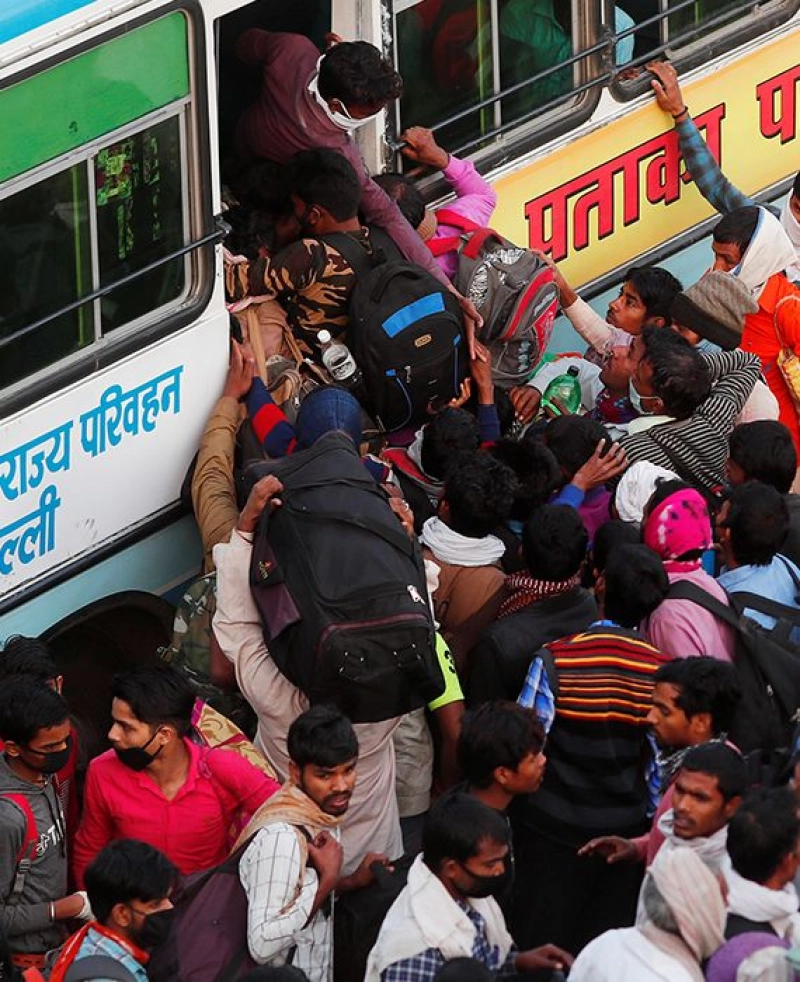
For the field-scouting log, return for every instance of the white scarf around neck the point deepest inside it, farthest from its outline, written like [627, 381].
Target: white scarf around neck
[758, 903]
[711, 849]
[770, 251]
[460, 550]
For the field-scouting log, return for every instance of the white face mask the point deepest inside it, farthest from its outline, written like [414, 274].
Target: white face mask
[636, 400]
[343, 120]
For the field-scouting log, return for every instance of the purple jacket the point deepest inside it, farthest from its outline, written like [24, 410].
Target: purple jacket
[475, 200]
[286, 119]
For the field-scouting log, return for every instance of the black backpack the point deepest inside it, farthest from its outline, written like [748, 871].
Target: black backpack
[208, 938]
[405, 331]
[767, 664]
[359, 915]
[341, 588]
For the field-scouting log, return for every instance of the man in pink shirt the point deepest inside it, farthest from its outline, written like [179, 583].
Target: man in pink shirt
[694, 701]
[158, 786]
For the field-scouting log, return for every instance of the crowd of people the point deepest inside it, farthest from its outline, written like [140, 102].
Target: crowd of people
[587, 791]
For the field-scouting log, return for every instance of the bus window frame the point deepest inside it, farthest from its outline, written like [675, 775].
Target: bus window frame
[201, 227]
[688, 56]
[599, 39]
[517, 138]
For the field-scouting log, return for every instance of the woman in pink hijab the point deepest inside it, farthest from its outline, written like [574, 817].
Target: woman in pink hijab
[677, 526]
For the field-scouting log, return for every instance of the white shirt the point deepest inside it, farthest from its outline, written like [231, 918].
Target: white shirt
[626, 955]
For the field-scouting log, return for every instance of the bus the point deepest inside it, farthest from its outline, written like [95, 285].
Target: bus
[115, 115]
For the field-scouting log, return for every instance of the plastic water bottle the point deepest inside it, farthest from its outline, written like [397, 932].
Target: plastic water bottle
[337, 359]
[566, 389]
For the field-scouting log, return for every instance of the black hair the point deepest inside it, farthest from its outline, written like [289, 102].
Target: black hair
[28, 705]
[406, 195]
[573, 440]
[657, 288]
[636, 583]
[27, 656]
[737, 227]
[705, 685]
[796, 185]
[765, 451]
[479, 491]
[455, 827]
[720, 761]
[325, 178]
[463, 970]
[536, 469]
[681, 376]
[497, 734]
[322, 736]
[357, 74]
[128, 870]
[554, 542]
[158, 695]
[274, 973]
[757, 520]
[662, 491]
[609, 537]
[763, 832]
[451, 432]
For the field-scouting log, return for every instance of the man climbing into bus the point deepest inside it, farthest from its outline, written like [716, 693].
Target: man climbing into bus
[310, 100]
[704, 169]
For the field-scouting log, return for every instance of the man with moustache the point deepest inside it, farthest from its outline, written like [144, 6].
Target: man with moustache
[694, 700]
[292, 865]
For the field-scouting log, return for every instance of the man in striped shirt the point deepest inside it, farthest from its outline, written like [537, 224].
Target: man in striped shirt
[592, 692]
[688, 405]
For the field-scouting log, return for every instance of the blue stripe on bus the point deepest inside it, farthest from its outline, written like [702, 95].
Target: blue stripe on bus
[401, 319]
[17, 17]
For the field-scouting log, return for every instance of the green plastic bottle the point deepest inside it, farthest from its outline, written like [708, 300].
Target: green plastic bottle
[566, 389]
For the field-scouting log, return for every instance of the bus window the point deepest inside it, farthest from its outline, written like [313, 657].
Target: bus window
[456, 54]
[139, 211]
[100, 193]
[45, 264]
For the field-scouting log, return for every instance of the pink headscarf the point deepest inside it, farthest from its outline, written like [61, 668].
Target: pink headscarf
[680, 524]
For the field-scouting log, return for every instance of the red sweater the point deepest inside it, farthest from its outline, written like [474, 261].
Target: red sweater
[193, 829]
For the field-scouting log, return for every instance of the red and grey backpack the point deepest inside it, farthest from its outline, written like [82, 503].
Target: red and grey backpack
[514, 291]
[28, 849]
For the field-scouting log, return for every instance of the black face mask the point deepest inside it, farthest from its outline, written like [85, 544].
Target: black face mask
[155, 929]
[487, 886]
[51, 761]
[137, 758]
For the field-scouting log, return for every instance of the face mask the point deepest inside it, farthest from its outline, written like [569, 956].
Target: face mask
[137, 758]
[156, 928]
[343, 120]
[636, 400]
[52, 761]
[488, 886]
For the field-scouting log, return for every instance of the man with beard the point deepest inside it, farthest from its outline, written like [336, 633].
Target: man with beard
[447, 910]
[293, 863]
[158, 786]
[129, 886]
[694, 700]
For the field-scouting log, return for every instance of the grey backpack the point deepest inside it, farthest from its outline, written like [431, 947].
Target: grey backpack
[513, 289]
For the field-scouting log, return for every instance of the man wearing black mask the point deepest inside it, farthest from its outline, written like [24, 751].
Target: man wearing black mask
[447, 910]
[129, 886]
[35, 726]
[157, 785]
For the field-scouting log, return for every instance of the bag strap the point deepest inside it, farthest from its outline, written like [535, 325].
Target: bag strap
[784, 299]
[457, 220]
[399, 540]
[30, 842]
[98, 967]
[682, 590]
[439, 246]
[357, 256]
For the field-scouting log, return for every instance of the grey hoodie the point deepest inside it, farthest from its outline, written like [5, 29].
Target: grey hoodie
[27, 922]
